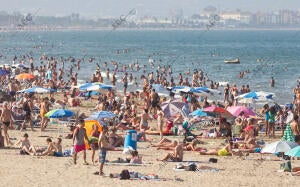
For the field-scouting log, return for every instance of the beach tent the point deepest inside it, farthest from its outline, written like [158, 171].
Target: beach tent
[88, 125]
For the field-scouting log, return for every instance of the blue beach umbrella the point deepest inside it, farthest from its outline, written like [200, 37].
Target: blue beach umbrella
[295, 152]
[158, 87]
[177, 89]
[101, 115]
[37, 90]
[3, 72]
[99, 87]
[83, 87]
[259, 96]
[198, 113]
[59, 113]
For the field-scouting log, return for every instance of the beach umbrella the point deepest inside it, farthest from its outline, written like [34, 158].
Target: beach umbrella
[158, 87]
[101, 115]
[219, 111]
[278, 146]
[98, 87]
[236, 110]
[59, 113]
[25, 76]
[259, 96]
[83, 87]
[198, 113]
[295, 152]
[178, 89]
[37, 89]
[172, 107]
[3, 72]
[288, 134]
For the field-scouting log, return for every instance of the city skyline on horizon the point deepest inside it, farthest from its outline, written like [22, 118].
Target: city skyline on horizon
[114, 8]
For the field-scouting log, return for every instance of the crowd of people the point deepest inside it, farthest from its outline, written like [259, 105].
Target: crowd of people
[135, 110]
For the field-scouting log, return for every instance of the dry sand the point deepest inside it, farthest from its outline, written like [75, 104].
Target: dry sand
[19, 170]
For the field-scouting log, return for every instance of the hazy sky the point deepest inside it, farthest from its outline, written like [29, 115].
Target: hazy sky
[160, 8]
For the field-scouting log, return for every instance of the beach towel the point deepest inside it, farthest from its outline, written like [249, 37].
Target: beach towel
[288, 134]
[199, 170]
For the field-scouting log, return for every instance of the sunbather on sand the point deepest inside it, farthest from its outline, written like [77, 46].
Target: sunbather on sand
[26, 147]
[169, 145]
[162, 142]
[225, 151]
[115, 140]
[176, 156]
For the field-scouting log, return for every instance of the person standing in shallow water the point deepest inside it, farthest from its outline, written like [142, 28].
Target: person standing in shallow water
[272, 82]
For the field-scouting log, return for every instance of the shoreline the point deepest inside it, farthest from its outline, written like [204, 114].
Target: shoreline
[54, 29]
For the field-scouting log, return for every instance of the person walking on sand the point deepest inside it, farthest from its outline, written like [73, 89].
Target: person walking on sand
[78, 141]
[5, 118]
[103, 144]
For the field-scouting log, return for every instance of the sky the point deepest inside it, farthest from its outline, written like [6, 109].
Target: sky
[159, 8]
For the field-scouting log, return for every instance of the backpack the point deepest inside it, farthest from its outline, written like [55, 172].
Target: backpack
[124, 175]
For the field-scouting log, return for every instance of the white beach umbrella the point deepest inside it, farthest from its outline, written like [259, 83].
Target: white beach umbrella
[278, 146]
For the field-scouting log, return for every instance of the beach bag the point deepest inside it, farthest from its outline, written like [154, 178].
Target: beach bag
[286, 166]
[213, 160]
[124, 175]
[192, 167]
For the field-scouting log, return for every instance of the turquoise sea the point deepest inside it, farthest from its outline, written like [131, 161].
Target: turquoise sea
[265, 53]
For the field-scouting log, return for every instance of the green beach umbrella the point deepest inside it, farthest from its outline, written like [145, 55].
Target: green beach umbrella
[295, 152]
[288, 134]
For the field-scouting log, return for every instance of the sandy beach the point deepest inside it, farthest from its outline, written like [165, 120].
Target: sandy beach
[20, 170]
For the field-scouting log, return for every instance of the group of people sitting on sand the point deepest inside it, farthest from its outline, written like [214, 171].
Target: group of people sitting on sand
[51, 149]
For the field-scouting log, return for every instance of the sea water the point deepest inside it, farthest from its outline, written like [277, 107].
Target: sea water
[264, 53]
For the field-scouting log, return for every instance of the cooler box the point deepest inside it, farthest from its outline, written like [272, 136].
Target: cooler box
[130, 139]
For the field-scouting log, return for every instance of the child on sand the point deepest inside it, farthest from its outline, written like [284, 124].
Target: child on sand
[78, 141]
[103, 143]
[24, 144]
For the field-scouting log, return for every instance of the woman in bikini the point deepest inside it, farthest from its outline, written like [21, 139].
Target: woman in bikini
[6, 121]
[43, 111]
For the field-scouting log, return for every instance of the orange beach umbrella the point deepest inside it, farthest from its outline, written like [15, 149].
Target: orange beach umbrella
[25, 76]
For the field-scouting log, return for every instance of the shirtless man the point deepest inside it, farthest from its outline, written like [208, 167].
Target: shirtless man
[176, 156]
[5, 118]
[51, 148]
[295, 125]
